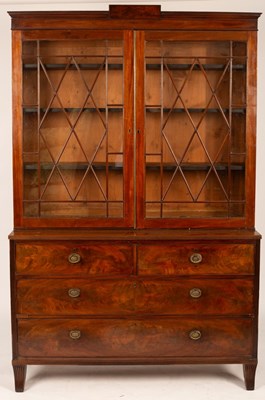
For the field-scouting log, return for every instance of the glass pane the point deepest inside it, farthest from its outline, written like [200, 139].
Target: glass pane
[30, 80]
[31, 189]
[31, 209]
[30, 129]
[73, 107]
[195, 118]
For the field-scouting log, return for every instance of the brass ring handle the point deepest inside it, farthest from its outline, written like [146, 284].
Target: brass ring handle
[195, 293]
[74, 258]
[74, 292]
[195, 334]
[196, 258]
[75, 334]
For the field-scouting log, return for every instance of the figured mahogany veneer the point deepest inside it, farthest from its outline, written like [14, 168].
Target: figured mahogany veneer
[95, 258]
[134, 189]
[135, 338]
[129, 296]
[217, 259]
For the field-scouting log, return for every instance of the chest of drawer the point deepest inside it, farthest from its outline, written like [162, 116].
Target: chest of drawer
[92, 258]
[135, 338]
[122, 297]
[195, 259]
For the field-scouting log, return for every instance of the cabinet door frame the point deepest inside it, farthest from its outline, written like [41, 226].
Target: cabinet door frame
[246, 221]
[128, 153]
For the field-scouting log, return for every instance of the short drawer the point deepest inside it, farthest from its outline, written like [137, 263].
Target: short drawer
[74, 258]
[195, 259]
[134, 338]
[122, 297]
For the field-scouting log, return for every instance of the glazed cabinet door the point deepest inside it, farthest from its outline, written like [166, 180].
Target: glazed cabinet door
[196, 127]
[74, 148]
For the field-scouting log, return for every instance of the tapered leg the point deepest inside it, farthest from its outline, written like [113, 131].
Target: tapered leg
[20, 372]
[249, 375]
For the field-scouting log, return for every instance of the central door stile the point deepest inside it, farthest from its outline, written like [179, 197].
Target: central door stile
[139, 127]
[129, 128]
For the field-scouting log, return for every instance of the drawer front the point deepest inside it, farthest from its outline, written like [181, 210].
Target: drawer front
[135, 338]
[74, 258]
[194, 259]
[84, 297]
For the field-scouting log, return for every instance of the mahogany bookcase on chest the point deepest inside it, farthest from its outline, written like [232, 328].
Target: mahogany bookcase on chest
[134, 189]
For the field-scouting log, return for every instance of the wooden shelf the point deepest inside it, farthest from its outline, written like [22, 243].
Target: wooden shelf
[149, 166]
[196, 67]
[157, 109]
[72, 67]
[34, 109]
[119, 108]
[119, 66]
[71, 166]
[197, 166]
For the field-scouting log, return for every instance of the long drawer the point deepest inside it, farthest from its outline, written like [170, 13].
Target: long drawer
[195, 259]
[135, 338]
[74, 258]
[121, 297]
